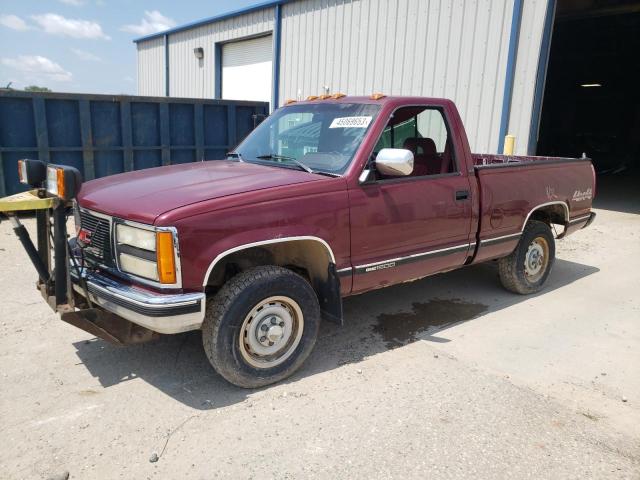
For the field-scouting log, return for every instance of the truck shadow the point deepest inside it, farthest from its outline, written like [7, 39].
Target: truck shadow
[375, 322]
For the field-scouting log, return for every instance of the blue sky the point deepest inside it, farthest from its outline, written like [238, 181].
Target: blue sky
[86, 45]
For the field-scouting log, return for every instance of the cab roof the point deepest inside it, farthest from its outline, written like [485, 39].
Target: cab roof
[382, 100]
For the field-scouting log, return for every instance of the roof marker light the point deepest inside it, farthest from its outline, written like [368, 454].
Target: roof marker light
[289, 101]
[312, 97]
[377, 96]
[591, 85]
[338, 95]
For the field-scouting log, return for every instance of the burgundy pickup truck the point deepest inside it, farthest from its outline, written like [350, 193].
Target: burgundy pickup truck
[327, 198]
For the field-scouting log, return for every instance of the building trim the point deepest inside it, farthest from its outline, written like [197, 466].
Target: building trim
[166, 65]
[541, 77]
[217, 69]
[512, 55]
[217, 18]
[277, 42]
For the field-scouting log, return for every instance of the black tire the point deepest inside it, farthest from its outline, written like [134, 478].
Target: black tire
[513, 274]
[229, 311]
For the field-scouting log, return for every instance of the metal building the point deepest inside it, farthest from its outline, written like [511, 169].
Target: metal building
[490, 56]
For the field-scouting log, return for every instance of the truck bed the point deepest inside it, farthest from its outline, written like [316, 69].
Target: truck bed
[511, 187]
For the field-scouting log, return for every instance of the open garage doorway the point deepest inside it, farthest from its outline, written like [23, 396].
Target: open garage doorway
[591, 100]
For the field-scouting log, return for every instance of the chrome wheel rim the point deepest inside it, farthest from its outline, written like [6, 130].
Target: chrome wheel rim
[536, 259]
[271, 332]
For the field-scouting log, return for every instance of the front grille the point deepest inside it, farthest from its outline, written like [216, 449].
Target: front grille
[99, 248]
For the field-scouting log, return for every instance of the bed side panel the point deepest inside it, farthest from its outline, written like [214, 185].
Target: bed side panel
[509, 195]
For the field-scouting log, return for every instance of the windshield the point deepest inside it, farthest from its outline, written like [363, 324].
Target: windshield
[322, 137]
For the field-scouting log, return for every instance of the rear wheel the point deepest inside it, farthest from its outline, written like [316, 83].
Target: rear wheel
[261, 326]
[528, 266]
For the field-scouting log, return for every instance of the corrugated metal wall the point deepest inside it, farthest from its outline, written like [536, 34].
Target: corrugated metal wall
[440, 48]
[151, 67]
[455, 49]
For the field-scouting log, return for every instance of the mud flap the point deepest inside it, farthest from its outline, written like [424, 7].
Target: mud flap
[109, 327]
[330, 299]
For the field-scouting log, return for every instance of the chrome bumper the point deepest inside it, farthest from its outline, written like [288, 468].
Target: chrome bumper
[162, 313]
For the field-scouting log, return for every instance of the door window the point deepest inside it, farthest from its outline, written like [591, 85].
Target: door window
[423, 130]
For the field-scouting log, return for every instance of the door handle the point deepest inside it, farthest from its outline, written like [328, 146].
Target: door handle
[462, 195]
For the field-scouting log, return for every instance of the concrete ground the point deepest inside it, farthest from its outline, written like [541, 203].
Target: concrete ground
[448, 377]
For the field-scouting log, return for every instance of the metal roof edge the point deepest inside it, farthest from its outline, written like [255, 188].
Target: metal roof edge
[217, 18]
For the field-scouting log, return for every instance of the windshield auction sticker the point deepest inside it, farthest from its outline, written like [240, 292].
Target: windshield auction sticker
[351, 122]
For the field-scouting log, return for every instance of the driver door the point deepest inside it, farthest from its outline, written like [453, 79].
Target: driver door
[407, 227]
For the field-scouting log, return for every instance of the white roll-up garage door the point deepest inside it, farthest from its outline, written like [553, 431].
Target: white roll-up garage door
[247, 69]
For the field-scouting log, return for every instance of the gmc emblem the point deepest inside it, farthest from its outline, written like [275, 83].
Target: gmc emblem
[84, 236]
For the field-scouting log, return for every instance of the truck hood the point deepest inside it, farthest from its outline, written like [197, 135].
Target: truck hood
[146, 194]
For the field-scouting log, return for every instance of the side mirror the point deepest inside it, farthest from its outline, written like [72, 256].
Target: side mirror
[396, 162]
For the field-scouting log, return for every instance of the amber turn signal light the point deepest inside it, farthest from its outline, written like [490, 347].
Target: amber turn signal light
[166, 257]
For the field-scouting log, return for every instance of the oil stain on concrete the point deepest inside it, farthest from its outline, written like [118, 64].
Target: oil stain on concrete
[398, 329]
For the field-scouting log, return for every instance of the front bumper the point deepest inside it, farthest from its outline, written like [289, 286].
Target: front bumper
[159, 312]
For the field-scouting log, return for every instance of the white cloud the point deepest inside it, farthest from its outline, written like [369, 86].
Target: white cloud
[13, 22]
[73, 3]
[86, 56]
[59, 25]
[37, 68]
[152, 22]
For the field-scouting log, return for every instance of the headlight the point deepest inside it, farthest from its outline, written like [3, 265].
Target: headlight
[147, 253]
[138, 266]
[136, 237]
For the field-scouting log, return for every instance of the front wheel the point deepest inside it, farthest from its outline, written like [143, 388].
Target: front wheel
[528, 266]
[261, 326]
